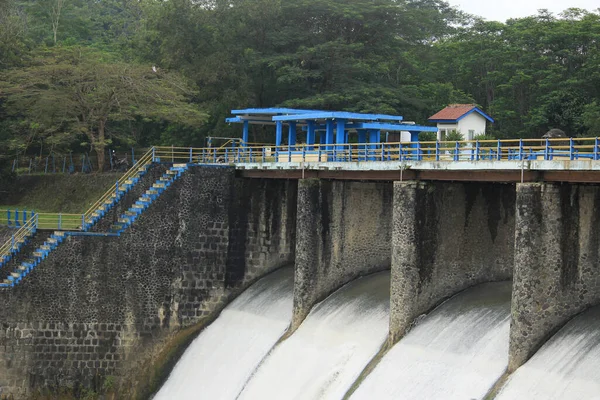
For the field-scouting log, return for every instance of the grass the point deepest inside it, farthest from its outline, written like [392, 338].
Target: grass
[55, 193]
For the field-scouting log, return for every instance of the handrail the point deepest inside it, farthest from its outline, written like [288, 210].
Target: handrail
[463, 150]
[21, 233]
[146, 159]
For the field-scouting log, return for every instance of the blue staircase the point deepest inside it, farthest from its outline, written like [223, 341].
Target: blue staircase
[114, 198]
[37, 256]
[125, 220]
[170, 176]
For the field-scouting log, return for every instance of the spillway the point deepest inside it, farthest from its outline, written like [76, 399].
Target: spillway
[327, 353]
[221, 359]
[458, 351]
[566, 367]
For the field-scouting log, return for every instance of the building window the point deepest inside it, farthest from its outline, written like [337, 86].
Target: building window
[442, 135]
[471, 134]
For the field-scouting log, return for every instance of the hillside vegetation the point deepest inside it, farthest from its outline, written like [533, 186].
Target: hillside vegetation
[84, 76]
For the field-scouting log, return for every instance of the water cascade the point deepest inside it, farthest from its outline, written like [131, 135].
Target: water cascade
[222, 358]
[566, 367]
[458, 351]
[327, 353]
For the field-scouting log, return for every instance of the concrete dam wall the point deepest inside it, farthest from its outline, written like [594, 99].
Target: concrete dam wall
[104, 309]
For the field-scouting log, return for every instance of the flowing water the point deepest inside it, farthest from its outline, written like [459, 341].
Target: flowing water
[327, 353]
[458, 351]
[221, 359]
[566, 367]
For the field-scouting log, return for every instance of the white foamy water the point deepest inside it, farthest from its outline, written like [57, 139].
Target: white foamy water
[566, 367]
[458, 351]
[221, 359]
[329, 350]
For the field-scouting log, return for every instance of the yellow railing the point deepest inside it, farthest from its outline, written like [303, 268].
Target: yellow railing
[466, 150]
[19, 236]
[59, 221]
[141, 163]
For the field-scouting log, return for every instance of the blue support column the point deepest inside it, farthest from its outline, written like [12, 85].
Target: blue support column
[278, 135]
[292, 134]
[245, 133]
[329, 135]
[362, 136]
[310, 133]
[414, 144]
[340, 137]
[374, 137]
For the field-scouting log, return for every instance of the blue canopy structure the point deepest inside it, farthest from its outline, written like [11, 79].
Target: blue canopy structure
[368, 127]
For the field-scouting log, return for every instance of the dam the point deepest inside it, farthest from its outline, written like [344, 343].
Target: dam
[266, 278]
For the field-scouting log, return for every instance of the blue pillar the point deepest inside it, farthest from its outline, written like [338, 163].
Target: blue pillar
[310, 133]
[362, 136]
[414, 144]
[278, 133]
[329, 133]
[292, 134]
[245, 133]
[340, 134]
[374, 136]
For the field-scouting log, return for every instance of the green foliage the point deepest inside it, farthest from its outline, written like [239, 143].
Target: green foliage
[454, 136]
[409, 57]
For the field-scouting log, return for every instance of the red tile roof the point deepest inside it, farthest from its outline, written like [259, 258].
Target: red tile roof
[453, 112]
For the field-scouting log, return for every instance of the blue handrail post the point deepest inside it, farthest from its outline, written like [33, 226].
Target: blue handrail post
[499, 155]
[8, 217]
[546, 149]
[191, 159]
[477, 150]
[214, 154]
[59, 221]
[571, 149]
[437, 150]
[382, 152]
[303, 153]
[456, 151]
[520, 149]
[289, 153]
[17, 223]
[264, 154]
[83, 227]
[596, 148]
[24, 217]
[153, 154]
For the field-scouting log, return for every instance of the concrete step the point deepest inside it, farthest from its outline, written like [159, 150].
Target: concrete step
[180, 166]
[15, 275]
[38, 254]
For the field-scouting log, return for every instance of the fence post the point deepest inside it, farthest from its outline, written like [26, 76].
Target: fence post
[8, 217]
[17, 223]
[59, 221]
[520, 149]
[191, 155]
[456, 150]
[153, 154]
[571, 149]
[596, 148]
[547, 145]
[172, 153]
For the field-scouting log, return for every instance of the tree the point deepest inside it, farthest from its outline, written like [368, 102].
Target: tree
[71, 91]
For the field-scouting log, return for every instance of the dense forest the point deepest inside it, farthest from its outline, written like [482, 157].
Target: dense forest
[81, 75]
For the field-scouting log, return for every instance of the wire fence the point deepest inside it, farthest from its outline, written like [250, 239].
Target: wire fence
[56, 163]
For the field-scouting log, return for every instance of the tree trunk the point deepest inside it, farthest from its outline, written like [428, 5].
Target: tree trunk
[100, 146]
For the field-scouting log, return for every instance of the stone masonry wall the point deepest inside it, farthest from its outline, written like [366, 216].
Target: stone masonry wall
[446, 237]
[98, 307]
[343, 231]
[557, 253]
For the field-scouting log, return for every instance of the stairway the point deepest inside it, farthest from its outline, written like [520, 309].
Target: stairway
[39, 254]
[170, 176]
[114, 198]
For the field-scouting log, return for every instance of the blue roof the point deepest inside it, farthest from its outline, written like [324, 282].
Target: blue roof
[272, 111]
[314, 115]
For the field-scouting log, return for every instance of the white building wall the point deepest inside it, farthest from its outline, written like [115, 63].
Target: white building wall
[473, 122]
[445, 127]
